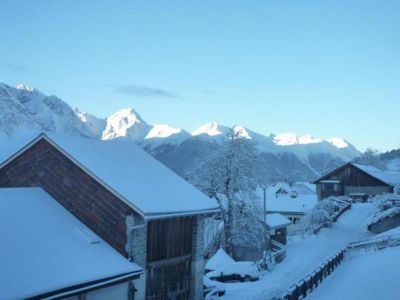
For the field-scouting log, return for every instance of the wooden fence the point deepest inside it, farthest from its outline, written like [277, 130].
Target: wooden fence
[344, 207]
[303, 287]
[376, 242]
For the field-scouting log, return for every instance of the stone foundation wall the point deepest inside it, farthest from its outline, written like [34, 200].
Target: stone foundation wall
[197, 264]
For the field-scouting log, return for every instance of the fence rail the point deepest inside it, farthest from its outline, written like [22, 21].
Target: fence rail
[379, 243]
[303, 287]
[341, 211]
[278, 251]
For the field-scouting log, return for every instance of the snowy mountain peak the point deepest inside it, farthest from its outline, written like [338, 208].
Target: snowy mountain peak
[25, 88]
[125, 123]
[338, 142]
[210, 129]
[288, 139]
[95, 125]
[308, 139]
[128, 115]
[242, 132]
[162, 131]
[160, 134]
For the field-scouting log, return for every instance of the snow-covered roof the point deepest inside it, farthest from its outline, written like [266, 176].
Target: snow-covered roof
[302, 187]
[275, 221]
[283, 186]
[389, 177]
[133, 175]
[218, 260]
[242, 268]
[45, 248]
[286, 204]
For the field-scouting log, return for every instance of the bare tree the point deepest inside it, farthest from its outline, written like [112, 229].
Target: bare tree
[371, 157]
[229, 176]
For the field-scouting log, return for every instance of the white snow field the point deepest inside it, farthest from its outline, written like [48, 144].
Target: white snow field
[363, 275]
[304, 254]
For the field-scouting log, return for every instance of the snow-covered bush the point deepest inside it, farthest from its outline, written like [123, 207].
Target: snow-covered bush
[388, 205]
[386, 201]
[387, 213]
[322, 214]
[320, 218]
[329, 205]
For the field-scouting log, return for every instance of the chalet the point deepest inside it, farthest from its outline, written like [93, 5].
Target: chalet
[134, 203]
[354, 179]
[292, 208]
[48, 253]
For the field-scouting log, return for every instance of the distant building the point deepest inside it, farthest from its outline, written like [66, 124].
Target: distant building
[277, 225]
[354, 178]
[283, 189]
[130, 200]
[293, 208]
[304, 188]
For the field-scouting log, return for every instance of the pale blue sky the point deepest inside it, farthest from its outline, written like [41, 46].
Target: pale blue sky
[326, 68]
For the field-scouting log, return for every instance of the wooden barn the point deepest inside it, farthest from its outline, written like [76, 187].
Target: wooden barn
[142, 209]
[356, 179]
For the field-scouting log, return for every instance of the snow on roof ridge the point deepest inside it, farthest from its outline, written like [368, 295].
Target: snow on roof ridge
[131, 174]
[219, 259]
[277, 220]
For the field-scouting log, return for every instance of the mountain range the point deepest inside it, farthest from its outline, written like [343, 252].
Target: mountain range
[283, 156]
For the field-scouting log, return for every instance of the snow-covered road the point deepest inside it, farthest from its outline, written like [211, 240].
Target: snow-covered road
[365, 275]
[304, 254]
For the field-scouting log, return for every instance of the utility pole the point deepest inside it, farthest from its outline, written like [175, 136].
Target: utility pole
[267, 235]
[265, 226]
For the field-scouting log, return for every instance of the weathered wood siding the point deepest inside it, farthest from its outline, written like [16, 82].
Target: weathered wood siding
[351, 176]
[169, 238]
[42, 165]
[352, 180]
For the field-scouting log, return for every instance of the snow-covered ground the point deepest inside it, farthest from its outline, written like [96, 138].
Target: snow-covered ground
[304, 254]
[367, 275]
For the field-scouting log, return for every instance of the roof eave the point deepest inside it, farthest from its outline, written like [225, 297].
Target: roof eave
[163, 215]
[89, 286]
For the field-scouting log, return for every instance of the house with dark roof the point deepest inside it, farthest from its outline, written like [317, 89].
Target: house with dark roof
[354, 179]
[46, 252]
[130, 200]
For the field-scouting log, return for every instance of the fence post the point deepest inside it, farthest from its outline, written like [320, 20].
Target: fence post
[312, 280]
